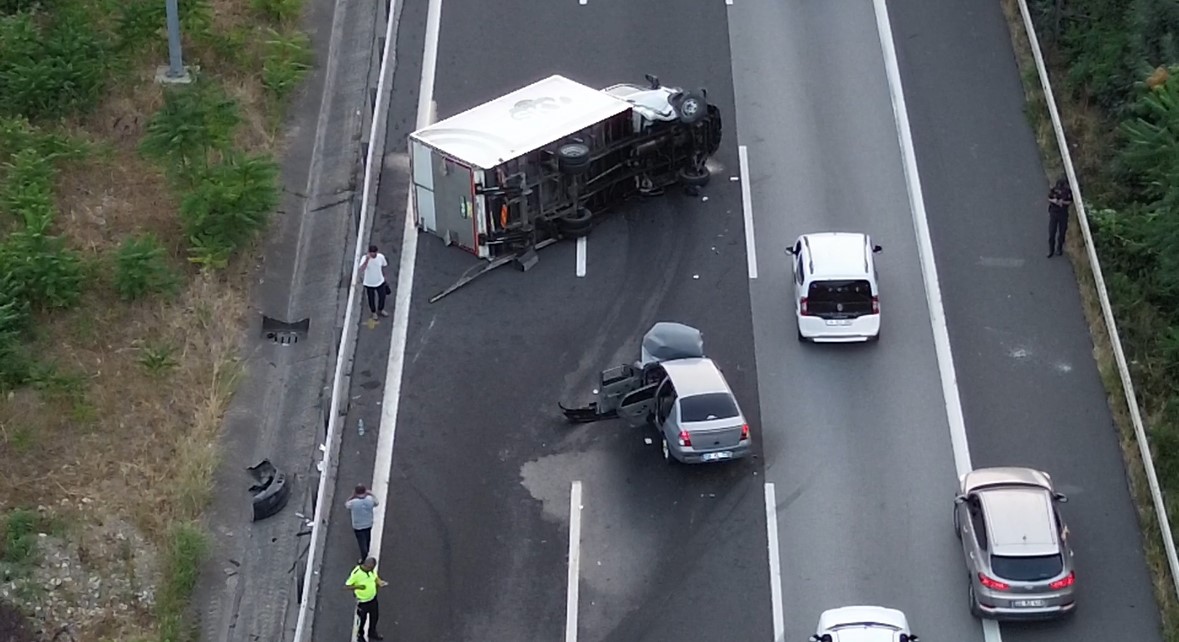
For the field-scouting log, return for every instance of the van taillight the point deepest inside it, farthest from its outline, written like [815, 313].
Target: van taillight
[875, 305]
[802, 307]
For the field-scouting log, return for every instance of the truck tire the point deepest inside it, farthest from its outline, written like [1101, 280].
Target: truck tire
[692, 176]
[690, 107]
[573, 158]
[577, 224]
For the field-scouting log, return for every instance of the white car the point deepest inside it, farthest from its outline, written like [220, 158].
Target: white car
[863, 624]
[836, 294]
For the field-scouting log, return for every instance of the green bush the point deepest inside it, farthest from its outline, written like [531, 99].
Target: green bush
[229, 204]
[27, 192]
[279, 11]
[50, 274]
[286, 59]
[183, 556]
[52, 70]
[142, 23]
[141, 268]
[20, 537]
[194, 126]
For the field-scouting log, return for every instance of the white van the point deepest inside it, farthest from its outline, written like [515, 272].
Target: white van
[836, 295]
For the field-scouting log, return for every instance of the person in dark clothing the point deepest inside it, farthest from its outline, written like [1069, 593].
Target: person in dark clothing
[1060, 197]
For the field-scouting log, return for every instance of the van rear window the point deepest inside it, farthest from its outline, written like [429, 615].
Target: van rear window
[840, 298]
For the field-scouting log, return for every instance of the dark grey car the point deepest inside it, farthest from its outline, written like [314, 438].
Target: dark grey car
[1015, 543]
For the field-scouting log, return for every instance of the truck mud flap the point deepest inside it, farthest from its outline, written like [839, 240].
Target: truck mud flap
[586, 414]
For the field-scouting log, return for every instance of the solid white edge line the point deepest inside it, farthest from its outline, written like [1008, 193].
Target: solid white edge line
[318, 533]
[775, 564]
[933, 293]
[581, 243]
[391, 402]
[571, 595]
[747, 210]
[1111, 325]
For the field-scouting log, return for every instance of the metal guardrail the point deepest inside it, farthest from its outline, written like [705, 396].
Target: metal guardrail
[1156, 492]
[339, 392]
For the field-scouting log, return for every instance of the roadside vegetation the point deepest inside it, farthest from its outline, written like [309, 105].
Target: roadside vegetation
[1114, 66]
[128, 210]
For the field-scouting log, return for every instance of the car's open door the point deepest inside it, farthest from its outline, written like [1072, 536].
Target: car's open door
[638, 407]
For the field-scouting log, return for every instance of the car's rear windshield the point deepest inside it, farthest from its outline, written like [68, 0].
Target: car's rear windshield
[1027, 569]
[708, 407]
[840, 292]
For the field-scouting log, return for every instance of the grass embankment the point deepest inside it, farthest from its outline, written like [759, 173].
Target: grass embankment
[1111, 64]
[124, 206]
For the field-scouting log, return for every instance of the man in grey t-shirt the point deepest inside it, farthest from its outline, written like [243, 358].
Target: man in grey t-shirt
[361, 505]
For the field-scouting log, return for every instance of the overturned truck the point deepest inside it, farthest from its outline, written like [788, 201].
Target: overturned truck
[547, 161]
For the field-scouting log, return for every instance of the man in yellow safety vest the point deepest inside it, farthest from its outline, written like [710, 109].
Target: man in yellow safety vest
[363, 583]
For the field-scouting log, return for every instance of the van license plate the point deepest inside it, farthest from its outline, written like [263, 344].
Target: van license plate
[716, 456]
[1027, 603]
[839, 322]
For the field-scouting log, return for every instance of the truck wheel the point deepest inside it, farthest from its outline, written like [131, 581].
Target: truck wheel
[576, 224]
[573, 158]
[691, 107]
[693, 176]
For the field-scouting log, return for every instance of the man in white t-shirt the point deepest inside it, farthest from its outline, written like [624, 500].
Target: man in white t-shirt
[372, 271]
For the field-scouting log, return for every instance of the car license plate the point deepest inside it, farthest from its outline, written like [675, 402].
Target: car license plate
[839, 322]
[716, 456]
[1027, 603]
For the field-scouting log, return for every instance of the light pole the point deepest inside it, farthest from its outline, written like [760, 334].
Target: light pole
[174, 72]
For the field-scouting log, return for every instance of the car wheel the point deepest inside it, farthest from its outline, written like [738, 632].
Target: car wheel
[801, 339]
[974, 607]
[573, 158]
[666, 448]
[690, 107]
[957, 523]
[693, 176]
[577, 224]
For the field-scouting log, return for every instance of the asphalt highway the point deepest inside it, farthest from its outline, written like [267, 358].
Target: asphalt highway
[855, 439]
[857, 442]
[477, 531]
[1031, 391]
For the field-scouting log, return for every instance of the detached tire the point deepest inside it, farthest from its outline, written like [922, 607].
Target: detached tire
[693, 177]
[576, 224]
[573, 158]
[273, 498]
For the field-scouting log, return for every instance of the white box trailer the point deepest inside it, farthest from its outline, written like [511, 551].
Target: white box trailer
[541, 162]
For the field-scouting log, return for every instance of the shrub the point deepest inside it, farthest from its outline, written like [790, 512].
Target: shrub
[49, 274]
[184, 554]
[141, 268]
[53, 70]
[280, 11]
[20, 537]
[195, 123]
[286, 59]
[27, 192]
[1151, 152]
[143, 22]
[229, 204]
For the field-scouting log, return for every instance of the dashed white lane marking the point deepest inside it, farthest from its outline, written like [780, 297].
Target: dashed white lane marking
[775, 564]
[747, 210]
[933, 294]
[581, 242]
[574, 562]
